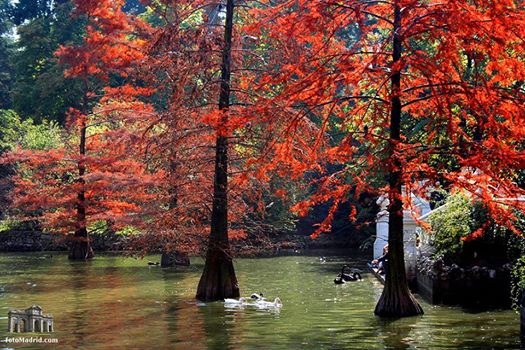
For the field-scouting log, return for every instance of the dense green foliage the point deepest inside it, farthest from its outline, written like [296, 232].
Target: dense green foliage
[450, 224]
[32, 80]
[26, 134]
[6, 52]
[40, 89]
[461, 221]
[517, 250]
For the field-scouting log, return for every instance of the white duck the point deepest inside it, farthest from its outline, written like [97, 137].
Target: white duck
[263, 304]
[233, 302]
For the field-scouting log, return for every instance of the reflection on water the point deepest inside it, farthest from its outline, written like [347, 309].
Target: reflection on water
[114, 302]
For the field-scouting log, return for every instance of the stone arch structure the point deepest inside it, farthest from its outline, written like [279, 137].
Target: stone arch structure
[36, 326]
[29, 320]
[14, 324]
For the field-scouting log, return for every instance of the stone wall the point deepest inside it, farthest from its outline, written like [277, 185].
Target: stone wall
[28, 241]
[478, 287]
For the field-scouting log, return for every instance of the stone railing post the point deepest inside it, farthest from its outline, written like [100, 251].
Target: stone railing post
[381, 227]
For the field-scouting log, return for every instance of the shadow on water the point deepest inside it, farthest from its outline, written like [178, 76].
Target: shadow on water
[211, 325]
[394, 333]
[220, 326]
[179, 312]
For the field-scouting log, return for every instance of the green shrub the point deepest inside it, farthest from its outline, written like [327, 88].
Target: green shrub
[8, 224]
[450, 224]
[25, 134]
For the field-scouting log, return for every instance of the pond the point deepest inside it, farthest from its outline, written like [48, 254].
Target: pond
[116, 302]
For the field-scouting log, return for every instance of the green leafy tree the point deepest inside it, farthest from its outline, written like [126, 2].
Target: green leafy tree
[6, 52]
[40, 89]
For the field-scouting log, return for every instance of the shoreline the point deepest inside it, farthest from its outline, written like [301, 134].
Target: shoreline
[264, 245]
[314, 252]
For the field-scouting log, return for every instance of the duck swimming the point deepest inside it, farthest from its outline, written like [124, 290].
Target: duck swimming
[257, 296]
[263, 304]
[339, 280]
[241, 301]
[345, 277]
[259, 303]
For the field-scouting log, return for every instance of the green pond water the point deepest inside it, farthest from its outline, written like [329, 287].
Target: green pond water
[115, 302]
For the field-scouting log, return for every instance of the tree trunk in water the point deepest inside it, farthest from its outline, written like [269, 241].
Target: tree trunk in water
[218, 280]
[81, 246]
[396, 299]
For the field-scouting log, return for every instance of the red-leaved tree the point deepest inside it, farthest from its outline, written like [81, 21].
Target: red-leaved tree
[179, 67]
[96, 175]
[406, 91]
[218, 280]
[183, 59]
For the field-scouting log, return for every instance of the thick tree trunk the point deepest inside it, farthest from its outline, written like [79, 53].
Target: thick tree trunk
[396, 299]
[218, 280]
[81, 246]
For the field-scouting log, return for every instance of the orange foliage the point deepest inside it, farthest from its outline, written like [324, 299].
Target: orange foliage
[326, 94]
[98, 174]
[180, 65]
